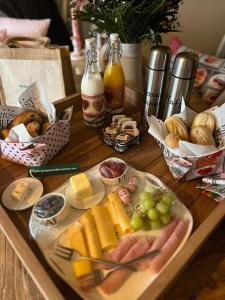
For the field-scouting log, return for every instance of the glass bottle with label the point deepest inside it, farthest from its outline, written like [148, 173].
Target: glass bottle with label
[114, 80]
[92, 89]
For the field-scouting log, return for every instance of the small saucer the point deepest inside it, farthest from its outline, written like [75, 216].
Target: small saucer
[36, 193]
[98, 195]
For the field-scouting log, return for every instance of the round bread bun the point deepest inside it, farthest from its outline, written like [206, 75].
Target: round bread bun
[34, 128]
[172, 140]
[176, 126]
[26, 118]
[204, 119]
[202, 135]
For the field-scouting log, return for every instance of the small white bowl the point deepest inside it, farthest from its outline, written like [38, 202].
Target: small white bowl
[114, 180]
[51, 209]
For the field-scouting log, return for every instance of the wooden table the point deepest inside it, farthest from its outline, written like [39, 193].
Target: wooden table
[86, 149]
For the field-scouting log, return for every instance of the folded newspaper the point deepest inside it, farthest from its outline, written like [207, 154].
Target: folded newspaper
[191, 160]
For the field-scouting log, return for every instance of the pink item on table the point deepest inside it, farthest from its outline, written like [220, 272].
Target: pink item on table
[24, 27]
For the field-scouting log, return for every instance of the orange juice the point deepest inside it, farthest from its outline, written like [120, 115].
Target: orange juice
[114, 80]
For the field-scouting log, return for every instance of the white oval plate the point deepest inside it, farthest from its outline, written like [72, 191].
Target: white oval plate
[33, 197]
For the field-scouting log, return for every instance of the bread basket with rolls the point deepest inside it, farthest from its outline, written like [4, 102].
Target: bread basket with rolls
[193, 144]
[32, 134]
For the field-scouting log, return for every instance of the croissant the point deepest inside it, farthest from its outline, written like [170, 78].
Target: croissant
[5, 133]
[25, 118]
[34, 128]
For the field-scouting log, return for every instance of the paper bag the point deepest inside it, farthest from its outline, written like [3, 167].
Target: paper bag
[20, 66]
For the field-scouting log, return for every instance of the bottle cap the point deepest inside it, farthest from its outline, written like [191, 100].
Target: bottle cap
[114, 36]
[185, 65]
[159, 58]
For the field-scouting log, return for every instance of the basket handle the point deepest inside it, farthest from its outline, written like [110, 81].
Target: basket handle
[16, 42]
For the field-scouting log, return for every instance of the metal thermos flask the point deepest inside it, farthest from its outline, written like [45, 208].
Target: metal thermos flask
[158, 70]
[181, 83]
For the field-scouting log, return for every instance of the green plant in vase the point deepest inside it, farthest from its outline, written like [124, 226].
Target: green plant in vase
[133, 20]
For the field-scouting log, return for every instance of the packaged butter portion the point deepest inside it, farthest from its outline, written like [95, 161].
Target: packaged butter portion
[21, 191]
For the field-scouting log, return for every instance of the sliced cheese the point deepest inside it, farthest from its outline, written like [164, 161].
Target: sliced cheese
[21, 191]
[81, 186]
[105, 229]
[74, 238]
[90, 230]
[118, 214]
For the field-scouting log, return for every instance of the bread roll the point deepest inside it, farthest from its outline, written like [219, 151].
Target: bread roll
[172, 140]
[176, 126]
[34, 128]
[204, 119]
[202, 135]
[26, 118]
[4, 133]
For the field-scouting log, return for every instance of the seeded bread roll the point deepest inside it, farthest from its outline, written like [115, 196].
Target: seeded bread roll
[204, 119]
[176, 126]
[202, 135]
[172, 140]
[25, 118]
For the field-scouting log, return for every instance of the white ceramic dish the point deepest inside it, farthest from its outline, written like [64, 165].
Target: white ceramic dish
[52, 202]
[139, 281]
[116, 180]
[32, 198]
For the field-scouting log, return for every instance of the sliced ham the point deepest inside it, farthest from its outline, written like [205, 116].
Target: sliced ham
[169, 247]
[122, 248]
[160, 241]
[117, 278]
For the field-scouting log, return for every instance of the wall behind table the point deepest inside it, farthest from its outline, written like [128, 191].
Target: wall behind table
[202, 24]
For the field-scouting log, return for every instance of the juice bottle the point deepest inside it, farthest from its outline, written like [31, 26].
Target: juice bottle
[92, 89]
[114, 79]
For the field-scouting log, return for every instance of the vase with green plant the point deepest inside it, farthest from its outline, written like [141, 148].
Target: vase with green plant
[134, 21]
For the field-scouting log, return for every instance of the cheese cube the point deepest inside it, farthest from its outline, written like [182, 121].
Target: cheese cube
[81, 186]
[21, 191]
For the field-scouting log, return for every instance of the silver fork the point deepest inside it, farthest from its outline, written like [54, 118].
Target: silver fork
[72, 254]
[95, 277]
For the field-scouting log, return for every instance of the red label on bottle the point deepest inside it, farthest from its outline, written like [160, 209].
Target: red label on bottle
[114, 97]
[93, 107]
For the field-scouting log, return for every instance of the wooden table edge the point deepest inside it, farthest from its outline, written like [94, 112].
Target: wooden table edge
[41, 278]
[194, 243]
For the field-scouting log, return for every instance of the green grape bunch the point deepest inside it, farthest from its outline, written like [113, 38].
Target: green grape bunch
[154, 209]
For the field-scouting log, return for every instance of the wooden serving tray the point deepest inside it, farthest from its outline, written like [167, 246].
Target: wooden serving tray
[86, 149]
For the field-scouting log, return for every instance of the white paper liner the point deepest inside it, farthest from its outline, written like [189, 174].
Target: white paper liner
[190, 153]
